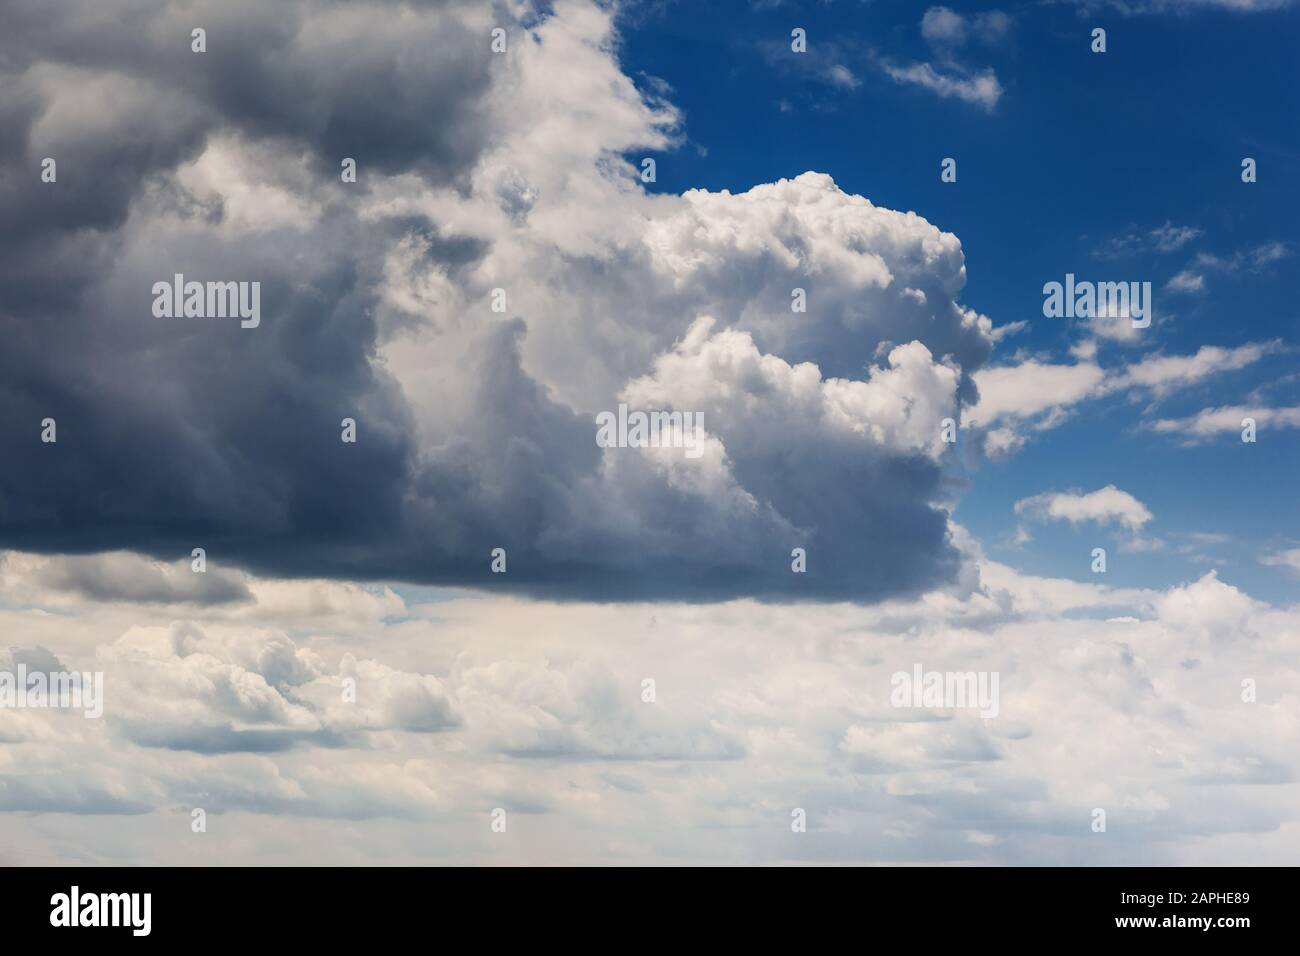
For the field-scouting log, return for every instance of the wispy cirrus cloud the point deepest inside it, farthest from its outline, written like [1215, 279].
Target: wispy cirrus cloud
[1289, 559]
[1163, 239]
[1254, 260]
[1040, 394]
[980, 88]
[1143, 7]
[1219, 420]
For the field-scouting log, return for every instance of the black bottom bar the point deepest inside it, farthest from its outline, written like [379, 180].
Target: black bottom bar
[1218, 906]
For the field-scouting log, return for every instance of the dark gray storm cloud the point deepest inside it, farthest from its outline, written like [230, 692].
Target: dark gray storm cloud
[224, 166]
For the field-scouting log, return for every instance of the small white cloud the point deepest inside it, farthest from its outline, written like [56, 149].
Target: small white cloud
[1030, 388]
[1171, 238]
[1289, 559]
[1228, 418]
[1114, 328]
[1010, 328]
[840, 75]
[981, 89]
[1186, 282]
[1164, 373]
[943, 25]
[1107, 505]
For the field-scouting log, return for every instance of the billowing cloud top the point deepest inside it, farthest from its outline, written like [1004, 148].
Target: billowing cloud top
[476, 172]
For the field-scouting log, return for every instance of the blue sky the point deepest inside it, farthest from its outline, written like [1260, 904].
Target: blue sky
[1080, 150]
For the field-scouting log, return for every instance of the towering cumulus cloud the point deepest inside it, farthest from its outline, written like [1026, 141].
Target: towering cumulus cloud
[483, 180]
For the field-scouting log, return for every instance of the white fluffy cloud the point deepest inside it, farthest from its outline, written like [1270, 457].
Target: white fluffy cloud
[763, 402]
[1134, 704]
[497, 276]
[1108, 505]
[607, 287]
[947, 31]
[1031, 388]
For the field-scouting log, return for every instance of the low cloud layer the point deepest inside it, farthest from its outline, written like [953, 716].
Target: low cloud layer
[1130, 701]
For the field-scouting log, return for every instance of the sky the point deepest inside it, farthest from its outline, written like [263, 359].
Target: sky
[478, 634]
